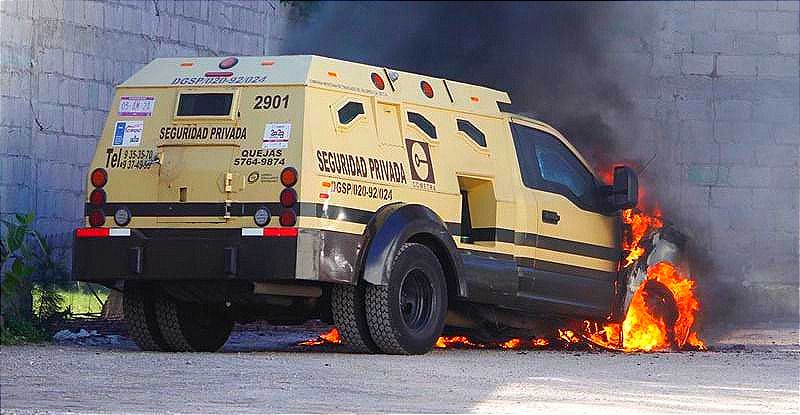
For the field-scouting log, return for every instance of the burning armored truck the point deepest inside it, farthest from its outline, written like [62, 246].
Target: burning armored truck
[391, 204]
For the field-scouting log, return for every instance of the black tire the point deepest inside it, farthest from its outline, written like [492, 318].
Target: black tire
[138, 304]
[350, 318]
[407, 315]
[192, 327]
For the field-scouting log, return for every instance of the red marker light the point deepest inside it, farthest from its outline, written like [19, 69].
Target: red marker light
[288, 197]
[228, 62]
[97, 198]
[99, 177]
[288, 218]
[427, 89]
[377, 81]
[97, 218]
[289, 176]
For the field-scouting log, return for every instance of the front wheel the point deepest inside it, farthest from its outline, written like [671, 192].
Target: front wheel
[407, 315]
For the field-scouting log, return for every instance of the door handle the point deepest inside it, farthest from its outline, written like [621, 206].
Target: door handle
[548, 216]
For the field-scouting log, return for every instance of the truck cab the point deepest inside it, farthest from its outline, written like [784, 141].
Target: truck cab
[391, 204]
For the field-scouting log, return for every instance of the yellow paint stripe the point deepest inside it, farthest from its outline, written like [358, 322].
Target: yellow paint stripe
[576, 260]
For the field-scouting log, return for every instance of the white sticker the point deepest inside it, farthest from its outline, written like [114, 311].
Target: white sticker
[136, 106]
[128, 133]
[276, 136]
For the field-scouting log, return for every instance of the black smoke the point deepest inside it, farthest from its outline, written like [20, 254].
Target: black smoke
[551, 57]
[547, 56]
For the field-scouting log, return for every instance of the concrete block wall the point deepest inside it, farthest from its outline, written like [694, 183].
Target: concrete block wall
[60, 61]
[716, 94]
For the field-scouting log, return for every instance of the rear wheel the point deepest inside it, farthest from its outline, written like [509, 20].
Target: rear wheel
[349, 317]
[138, 304]
[407, 315]
[192, 327]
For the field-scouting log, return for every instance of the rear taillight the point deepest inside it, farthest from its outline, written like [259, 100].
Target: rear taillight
[97, 218]
[289, 177]
[288, 197]
[288, 218]
[97, 198]
[99, 177]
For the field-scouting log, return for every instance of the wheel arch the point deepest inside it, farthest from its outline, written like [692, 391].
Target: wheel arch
[398, 223]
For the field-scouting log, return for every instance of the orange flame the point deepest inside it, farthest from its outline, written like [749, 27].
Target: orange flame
[639, 224]
[641, 330]
[330, 337]
[444, 342]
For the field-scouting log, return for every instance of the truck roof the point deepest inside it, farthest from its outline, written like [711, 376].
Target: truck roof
[321, 72]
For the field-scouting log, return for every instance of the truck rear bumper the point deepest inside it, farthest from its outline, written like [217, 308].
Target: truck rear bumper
[190, 254]
[216, 254]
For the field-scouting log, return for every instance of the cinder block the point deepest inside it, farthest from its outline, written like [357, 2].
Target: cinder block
[778, 66]
[741, 132]
[712, 42]
[734, 110]
[778, 22]
[729, 197]
[736, 65]
[788, 5]
[755, 44]
[778, 155]
[789, 44]
[784, 218]
[753, 5]
[707, 175]
[693, 64]
[688, 21]
[788, 133]
[735, 21]
[784, 177]
[777, 111]
[750, 176]
[769, 199]
[732, 153]
[694, 109]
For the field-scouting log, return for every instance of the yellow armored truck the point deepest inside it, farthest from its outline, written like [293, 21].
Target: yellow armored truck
[390, 204]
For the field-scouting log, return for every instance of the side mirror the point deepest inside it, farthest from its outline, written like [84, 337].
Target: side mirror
[625, 191]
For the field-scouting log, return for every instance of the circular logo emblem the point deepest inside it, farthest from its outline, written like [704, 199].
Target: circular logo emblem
[421, 162]
[228, 62]
[252, 177]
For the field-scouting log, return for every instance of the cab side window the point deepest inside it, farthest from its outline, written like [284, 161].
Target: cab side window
[547, 164]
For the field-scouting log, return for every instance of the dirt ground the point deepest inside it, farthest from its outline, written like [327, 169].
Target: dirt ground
[748, 371]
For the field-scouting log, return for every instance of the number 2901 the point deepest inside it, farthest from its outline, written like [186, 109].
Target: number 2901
[271, 102]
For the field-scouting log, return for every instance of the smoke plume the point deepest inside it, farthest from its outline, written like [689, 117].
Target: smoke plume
[552, 59]
[545, 55]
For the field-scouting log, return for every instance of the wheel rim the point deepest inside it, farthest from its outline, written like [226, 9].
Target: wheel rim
[416, 300]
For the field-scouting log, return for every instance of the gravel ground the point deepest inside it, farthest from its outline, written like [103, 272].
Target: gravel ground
[749, 371]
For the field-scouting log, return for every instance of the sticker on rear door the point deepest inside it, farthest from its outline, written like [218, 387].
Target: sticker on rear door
[276, 136]
[136, 106]
[128, 133]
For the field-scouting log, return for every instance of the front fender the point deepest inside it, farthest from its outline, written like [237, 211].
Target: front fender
[391, 227]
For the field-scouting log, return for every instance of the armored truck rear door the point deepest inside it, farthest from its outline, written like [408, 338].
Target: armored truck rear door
[195, 153]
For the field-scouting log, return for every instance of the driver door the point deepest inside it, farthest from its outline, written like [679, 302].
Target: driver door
[577, 246]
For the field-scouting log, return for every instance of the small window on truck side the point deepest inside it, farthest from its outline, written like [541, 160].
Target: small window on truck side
[472, 132]
[348, 112]
[547, 164]
[422, 123]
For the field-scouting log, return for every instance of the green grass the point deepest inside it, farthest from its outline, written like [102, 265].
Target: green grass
[77, 301]
[81, 302]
